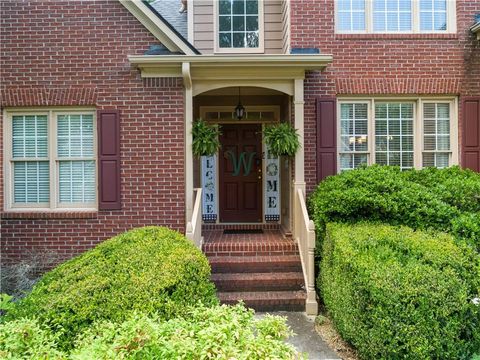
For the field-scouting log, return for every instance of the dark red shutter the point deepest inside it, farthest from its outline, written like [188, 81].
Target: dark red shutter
[471, 133]
[326, 138]
[108, 124]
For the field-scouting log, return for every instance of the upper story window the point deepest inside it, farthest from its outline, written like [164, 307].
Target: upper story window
[239, 26]
[395, 16]
[50, 160]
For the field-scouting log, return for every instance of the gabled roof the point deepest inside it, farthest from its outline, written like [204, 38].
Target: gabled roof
[168, 9]
[159, 27]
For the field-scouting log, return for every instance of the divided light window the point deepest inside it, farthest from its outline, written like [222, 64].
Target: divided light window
[394, 16]
[238, 24]
[51, 159]
[385, 133]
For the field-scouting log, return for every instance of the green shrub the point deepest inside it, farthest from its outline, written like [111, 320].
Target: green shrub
[420, 199]
[26, 339]
[224, 332]
[152, 270]
[221, 332]
[399, 294]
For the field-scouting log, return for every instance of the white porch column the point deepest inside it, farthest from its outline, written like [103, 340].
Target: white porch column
[187, 81]
[298, 101]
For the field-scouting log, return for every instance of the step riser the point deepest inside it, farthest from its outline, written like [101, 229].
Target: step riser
[271, 305]
[260, 267]
[259, 285]
[250, 253]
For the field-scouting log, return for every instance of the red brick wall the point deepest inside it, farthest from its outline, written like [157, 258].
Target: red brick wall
[75, 53]
[382, 64]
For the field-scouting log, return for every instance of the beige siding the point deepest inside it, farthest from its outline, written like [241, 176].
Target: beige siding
[274, 26]
[286, 26]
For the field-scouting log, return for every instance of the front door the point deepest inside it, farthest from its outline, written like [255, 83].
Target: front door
[241, 173]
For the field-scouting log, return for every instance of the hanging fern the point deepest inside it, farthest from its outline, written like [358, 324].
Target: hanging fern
[205, 138]
[282, 139]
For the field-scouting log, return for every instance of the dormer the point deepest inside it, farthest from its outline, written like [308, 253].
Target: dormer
[239, 26]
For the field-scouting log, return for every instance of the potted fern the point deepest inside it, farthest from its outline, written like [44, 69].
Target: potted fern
[282, 139]
[205, 138]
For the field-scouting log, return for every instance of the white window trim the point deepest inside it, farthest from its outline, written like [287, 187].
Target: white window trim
[246, 50]
[417, 126]
[54, 205]
[451, 20]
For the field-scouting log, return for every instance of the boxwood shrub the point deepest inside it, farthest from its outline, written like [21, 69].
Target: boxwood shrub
[445, 200]
[396, 293]
[221, 332]
[152, 270]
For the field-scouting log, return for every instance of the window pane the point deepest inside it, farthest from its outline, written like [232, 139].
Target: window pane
[394, 134]
[238, 23]
[29, 136]
[433, 15]
[225, 40]
[225, 23]
[239, 40]
[238, 7]
[392, 15]
[252, 39]
[75, 135]
[351, 15]
[440, 160]
[252, 23]
[252, 7]
[353, 133]
[436, 128]
[31, 182]
[225, 7]
[77, 181]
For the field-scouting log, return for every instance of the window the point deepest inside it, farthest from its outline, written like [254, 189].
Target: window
[395, 16]
[436, 135]
[239, 25]
[50, 159]
[411, 133]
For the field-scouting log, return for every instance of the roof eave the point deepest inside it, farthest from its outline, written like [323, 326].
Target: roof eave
[159, 27]
[476, 29]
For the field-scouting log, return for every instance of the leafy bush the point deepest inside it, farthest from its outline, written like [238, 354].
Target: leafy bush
[445, 200]
[152, 270]
[399, 294]
[26, 339]
[222, 332]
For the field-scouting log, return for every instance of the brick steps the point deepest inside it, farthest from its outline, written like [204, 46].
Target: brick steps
[255, 264]
[249, 248]
[267, 300]
[264, 269]
[277, 281]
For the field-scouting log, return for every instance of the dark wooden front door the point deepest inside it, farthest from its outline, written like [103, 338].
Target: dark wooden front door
[240, 173]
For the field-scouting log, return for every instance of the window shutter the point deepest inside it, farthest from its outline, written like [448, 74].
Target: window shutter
[108, 125]
[471, 133]
[326, 138]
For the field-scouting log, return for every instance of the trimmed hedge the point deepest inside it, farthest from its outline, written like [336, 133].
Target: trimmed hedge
[222, 332]
[445, 200]
[399, 294]
[152, 270]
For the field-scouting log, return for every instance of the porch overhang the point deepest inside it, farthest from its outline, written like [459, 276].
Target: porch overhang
[221, 68]
[476, 29]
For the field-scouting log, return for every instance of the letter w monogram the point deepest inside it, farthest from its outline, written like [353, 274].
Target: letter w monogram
[242, 160]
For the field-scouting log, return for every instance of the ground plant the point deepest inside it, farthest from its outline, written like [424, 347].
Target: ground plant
[439, 199]
[396, 293]
[151, 270]
[221, 332]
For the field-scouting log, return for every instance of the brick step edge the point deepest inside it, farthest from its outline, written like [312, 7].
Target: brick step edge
[258, 281]
[212, 253]
[267, 300]
[255, 264]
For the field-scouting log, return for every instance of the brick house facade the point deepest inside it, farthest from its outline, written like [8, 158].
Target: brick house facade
[59, 56]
